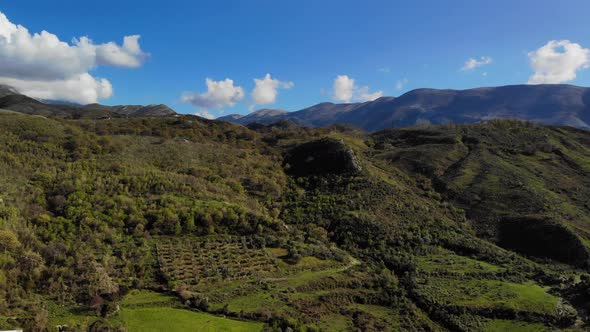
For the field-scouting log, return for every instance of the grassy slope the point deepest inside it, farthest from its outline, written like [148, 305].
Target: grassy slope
[500, 169]
[389, 217]
[481, 293]
[151, 311]
[500, 325]
[170, 319]
[447, 261]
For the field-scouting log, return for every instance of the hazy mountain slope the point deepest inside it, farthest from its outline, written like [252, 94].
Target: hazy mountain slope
[323, 114]
[134, 110]
[547, 104]
[231, 118]
[263, 116]
[10, 99]
[27, 105]
[6, 90]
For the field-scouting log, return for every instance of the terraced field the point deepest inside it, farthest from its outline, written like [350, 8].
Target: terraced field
[244, 280]
[191, 261]
[487, 293]
[481, 294]
[446, 261]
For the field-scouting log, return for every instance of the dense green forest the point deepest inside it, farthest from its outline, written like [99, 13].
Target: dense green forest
[105, 224]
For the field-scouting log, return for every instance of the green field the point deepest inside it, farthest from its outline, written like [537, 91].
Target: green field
[151, 311]
[501, 325]
[447, 261]
[483, 293]
[144, 297]
[143, 310]
[171, 319]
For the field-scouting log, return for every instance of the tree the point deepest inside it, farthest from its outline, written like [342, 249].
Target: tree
[8, 241]
[30, 262]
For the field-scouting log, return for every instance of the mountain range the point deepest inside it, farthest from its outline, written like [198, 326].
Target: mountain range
[11, 99]
[551, 104]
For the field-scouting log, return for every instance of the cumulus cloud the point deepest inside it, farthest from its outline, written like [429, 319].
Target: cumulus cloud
[558, 62]
[363, 94]
[400, 84]
[129, 55]
[266, 90]
[219, 94]
[473, 63]
[345, 90]
[83, 88]
[43, 65]
[205, 114]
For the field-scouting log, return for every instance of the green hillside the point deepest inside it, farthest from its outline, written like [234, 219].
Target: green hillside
[185, 223]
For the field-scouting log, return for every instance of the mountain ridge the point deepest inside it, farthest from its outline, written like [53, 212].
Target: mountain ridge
[12, 99]
[550, 104]
[261, 115]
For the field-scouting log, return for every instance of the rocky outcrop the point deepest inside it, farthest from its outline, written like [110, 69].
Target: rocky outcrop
[321, 157]
[542, 237]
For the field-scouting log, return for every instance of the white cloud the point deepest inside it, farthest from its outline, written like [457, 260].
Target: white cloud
[400, 84]
[129, 55]
[219, 94]
[267, 89]
[83, 88]
[385, 70]
[558, 62]
[43, 65]
[345, 90]
[205, 114]
[473, 63]
[363, 94]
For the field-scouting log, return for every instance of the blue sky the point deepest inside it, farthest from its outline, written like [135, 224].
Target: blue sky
[387, 46]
